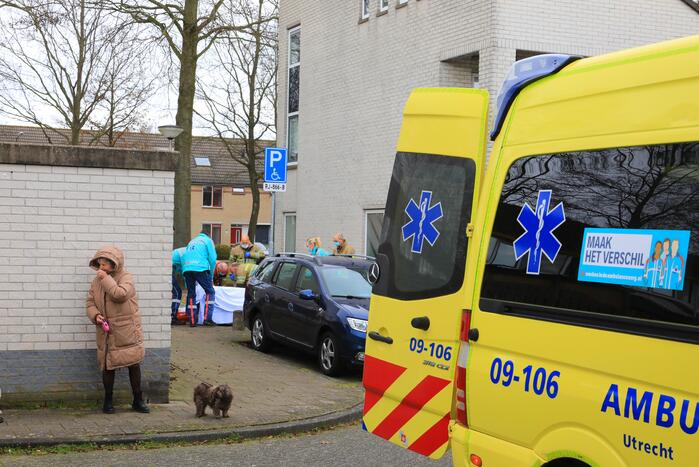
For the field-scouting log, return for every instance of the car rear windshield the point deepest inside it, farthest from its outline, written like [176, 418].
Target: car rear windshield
[345, 283]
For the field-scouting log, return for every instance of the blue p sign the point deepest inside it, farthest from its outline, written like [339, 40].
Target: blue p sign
[275, 165]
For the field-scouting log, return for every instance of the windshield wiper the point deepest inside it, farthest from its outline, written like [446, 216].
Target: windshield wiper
[349, 296]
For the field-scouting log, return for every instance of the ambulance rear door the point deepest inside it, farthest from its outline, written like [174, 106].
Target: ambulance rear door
[418, 296]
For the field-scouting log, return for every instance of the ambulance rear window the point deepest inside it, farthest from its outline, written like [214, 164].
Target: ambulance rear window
[605, 239]
[422, 252]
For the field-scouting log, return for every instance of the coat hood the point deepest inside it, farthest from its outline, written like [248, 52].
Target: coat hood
[112, 253]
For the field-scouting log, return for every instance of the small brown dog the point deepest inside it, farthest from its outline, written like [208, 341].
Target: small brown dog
[219, 398]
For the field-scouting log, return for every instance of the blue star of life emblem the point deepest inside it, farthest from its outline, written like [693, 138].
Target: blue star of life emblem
[421, 225]
[538, 234]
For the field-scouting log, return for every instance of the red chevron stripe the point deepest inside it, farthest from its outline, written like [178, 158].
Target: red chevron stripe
[378, 376]
[410, 405]
[433, 438]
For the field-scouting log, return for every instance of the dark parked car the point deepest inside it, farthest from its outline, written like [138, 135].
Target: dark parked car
[319, 304]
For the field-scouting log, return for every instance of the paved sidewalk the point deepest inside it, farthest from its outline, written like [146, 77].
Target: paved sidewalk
[275, 391]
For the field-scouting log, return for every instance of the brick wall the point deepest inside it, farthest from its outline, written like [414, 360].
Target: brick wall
[54, 219]
[356, 76]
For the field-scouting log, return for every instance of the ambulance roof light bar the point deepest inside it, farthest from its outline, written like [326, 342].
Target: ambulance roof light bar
[523, 73]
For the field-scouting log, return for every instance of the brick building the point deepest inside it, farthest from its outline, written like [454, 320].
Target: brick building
[58, 206]
[221, 195]
[346, 71]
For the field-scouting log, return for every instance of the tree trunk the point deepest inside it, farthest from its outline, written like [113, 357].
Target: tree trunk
[78, 94]
[250, 145]
[183, 143]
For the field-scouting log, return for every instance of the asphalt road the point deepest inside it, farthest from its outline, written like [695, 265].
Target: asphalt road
[345, 446]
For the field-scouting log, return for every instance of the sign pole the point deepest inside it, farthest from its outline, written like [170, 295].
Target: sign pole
[275, 180]
[274, 224]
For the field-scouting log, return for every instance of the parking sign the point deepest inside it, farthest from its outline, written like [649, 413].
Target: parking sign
[275, 169]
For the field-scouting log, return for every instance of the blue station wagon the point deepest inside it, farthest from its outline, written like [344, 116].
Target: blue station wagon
[318, 304]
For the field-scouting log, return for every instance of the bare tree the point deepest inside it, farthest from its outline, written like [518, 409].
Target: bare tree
[55, 60]
[240, 95]
[128, 86]
[189, 28]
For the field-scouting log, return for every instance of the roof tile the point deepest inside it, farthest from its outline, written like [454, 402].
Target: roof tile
[223, 170]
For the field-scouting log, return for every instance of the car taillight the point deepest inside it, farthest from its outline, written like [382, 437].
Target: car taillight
[461, 362]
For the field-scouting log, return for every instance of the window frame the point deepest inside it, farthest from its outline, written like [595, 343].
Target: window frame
[364, 10]
[211, 230]
[291, 115]
[386, 286]
[286, 216]
[401, 3]
[293, 277]
[383, 6]
[313, 273]
[213, 189]
[263, 267]
[367, 212]
[269, 232]
[645, 327]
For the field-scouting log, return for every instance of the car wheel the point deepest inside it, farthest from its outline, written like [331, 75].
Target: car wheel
[258, 334]
[329, 355]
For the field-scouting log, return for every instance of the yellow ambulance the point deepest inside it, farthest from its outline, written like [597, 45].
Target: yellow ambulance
[544, 311]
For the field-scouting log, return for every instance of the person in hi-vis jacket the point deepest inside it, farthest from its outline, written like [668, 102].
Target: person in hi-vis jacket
[198, 264]
[654, 266]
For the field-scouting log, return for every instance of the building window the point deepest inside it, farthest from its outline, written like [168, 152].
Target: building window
[402, 3]
[212, 197]
[383, 5]
[262, 234]
[372, 231]
[290, 232]
[365, 9]
[292, 128]
[214, 231]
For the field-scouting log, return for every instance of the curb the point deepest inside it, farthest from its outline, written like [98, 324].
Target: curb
[245, 432]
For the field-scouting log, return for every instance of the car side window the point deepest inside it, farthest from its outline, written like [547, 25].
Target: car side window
[613, 242]
[265, 274]
[307, 281]
[285, 276]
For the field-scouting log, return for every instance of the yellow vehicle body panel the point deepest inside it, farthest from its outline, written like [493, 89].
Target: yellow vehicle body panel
[638, 97]
[643, 96]
[409, 395]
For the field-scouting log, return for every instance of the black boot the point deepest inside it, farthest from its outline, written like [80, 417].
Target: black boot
[108, 406]
[138, 405]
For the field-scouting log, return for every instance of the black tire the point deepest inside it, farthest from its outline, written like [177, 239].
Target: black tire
[259, 338]
[329, 355]
[567, 462]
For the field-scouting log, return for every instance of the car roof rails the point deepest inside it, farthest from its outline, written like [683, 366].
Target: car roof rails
[357, 256]
[293, 254]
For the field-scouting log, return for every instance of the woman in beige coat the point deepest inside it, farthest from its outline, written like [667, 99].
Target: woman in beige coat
[112, 306]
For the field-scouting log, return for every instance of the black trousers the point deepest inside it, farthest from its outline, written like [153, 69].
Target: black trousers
[134, 379]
